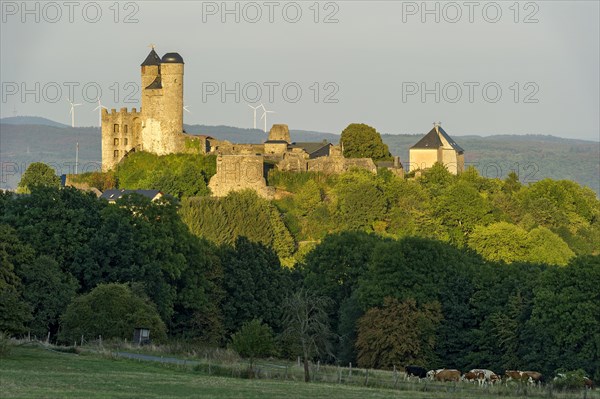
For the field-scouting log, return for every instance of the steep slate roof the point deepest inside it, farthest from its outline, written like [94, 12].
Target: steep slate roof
[151, 59]
[450, 140]
[431, 140]
[310, 147]
[113, 195]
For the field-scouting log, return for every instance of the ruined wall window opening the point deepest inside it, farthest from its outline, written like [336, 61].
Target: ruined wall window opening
[125, 129]
[116, 142]
[116, 128]
[116, 154]
[126, 141]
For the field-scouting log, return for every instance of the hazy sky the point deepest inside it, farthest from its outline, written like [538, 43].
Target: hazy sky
[478, 67]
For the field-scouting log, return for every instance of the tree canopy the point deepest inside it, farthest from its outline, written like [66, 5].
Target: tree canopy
[363, 141]
[38, 174]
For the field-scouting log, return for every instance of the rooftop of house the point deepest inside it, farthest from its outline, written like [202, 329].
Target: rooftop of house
[432, 140]
[310, 147]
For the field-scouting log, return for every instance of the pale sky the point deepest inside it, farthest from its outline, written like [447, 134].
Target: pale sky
[374, 60]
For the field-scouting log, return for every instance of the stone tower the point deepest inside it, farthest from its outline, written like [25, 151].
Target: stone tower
[162, 103]
[158, 126]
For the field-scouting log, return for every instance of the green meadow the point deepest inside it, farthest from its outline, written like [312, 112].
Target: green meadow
[37, 372]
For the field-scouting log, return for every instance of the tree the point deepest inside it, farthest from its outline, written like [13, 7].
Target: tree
[48, 290]
[398, 333]
[255, 284]
[307, 326]
[38, 174]
[112, 311]
[500, 242]
[253, 340]
[362, 141]
[510, 243]
[360, 201]
[15, 313]
[564, 327]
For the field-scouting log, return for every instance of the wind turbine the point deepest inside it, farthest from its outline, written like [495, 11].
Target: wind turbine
[255, 108]
[72, 112]
[100, 106]
[264, 116]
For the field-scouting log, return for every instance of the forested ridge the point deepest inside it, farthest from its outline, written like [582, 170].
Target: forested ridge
[439, 271]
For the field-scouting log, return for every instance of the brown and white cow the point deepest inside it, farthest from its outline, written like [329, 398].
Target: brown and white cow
[588, 383]
[487, 376]
[473, 377]
[533, 377]
[447, 375]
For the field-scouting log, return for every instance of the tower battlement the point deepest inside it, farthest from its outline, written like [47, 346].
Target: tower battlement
[158, 126]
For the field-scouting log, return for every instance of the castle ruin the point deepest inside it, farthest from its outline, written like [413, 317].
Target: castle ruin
[158, 128]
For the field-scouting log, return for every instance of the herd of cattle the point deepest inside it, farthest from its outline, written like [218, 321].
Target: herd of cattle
[482, 376]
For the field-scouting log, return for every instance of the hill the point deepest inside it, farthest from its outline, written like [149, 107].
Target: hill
[31, 120]
[533, 157]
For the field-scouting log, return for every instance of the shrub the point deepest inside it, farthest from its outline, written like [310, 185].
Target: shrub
[112, 311]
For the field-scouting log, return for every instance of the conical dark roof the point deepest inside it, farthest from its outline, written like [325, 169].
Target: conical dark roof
[152, 59]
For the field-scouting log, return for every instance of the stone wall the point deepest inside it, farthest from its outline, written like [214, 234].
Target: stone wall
[335, 165]
[240, 172]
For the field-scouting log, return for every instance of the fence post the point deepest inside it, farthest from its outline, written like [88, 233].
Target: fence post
[339, 370]
[395, 376]
[81, 339]
[350, 372]
[367, 378]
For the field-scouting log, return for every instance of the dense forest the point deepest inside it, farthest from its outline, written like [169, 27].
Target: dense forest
[440, 271]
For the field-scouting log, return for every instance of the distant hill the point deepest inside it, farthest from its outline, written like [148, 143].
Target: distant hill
[30, 120]
[534, 157]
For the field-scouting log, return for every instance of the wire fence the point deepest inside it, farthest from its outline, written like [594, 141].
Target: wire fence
[225, 363]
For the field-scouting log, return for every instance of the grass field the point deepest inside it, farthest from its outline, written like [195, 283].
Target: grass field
[35, 372]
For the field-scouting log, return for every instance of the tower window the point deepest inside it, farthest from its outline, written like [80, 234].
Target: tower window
[125, 129]
[116, 128]
[116, 154]
[116, 141]
[126, 141]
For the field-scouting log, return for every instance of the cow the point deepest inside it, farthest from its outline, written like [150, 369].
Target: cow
[513, 375]
[431, 374]
[471, 376]
[448, 375]
[415, 371]
[588, 383]
[488, 374]
[494, 379]
[533, 377]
